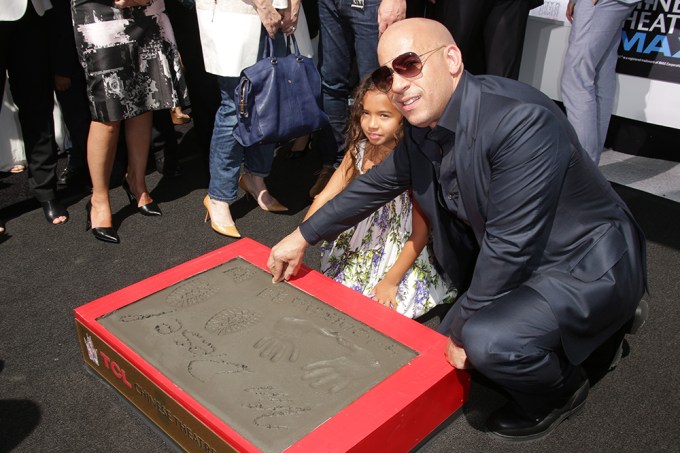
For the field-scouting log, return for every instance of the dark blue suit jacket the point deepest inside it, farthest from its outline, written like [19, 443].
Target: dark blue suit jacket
[535, 211]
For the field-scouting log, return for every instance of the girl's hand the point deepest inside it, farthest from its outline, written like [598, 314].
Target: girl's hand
[385, 293]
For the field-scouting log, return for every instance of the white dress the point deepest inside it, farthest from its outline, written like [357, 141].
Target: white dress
[361, 256]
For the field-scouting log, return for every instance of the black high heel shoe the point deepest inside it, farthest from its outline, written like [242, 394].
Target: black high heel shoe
[52, 210]
[149, 209]
[106, 234]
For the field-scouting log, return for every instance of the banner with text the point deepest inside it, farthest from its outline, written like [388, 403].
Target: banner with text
[650, 41]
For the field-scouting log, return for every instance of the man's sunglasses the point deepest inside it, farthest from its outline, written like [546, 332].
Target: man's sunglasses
[407, 65]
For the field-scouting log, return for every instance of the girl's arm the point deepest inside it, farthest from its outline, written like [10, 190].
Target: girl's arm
[386, 290]
[338, 181]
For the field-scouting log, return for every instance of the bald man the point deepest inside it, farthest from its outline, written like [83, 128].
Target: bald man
[553, 262]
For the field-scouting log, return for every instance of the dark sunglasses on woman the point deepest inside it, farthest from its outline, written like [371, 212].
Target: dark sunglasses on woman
[407, 65]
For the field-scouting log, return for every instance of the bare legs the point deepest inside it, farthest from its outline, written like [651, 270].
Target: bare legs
[138, 140]
[101, 150]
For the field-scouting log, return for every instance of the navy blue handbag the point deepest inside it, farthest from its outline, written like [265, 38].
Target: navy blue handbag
[278, 98]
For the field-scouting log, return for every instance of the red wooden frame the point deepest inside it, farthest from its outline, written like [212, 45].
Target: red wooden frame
[395, 415]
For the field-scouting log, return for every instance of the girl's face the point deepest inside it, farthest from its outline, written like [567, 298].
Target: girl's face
[380, 120]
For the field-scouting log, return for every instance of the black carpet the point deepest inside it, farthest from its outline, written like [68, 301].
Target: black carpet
[50, 403]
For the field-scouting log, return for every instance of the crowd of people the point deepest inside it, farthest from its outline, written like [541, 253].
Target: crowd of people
[442, 179]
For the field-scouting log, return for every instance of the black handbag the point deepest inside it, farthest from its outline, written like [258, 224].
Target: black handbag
[278, 98]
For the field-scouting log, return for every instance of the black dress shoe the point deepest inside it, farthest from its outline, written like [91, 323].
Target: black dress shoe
[105, 234]
[639, 318]
[52, 210]
[508, 423]
[149, 209]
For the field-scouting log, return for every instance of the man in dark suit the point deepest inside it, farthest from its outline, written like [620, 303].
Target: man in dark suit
[553, 262]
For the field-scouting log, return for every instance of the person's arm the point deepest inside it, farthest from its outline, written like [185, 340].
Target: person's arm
[338, 181]
[360, 198]
[389, 12]
[570, 11]
[385, 291]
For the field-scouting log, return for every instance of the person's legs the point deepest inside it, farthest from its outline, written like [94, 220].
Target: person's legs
[612, 13]
[164, 145]
[32, 87]
[504, 32]
[365, 37]
[101, 151]
[76, 111]
[588, 80]
[258, 165]
[465, 20]
[226, 155]
[515, 342]
[336, 52]
[138, 141]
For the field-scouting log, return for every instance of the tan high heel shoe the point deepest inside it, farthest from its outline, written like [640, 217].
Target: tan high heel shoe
[225, 230]
[275, 206]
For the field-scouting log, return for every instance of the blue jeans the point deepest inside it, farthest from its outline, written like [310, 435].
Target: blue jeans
[226, 154]
[346, 35]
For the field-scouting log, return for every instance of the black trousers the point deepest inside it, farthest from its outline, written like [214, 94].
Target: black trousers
[489, 33]
[163, 140]
[24, 56]
[76, 110]
[515, 342]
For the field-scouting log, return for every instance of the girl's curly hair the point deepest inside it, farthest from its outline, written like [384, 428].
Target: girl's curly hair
[354, 132]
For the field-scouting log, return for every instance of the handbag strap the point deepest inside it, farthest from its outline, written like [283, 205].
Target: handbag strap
[268, 48]
[290, 38]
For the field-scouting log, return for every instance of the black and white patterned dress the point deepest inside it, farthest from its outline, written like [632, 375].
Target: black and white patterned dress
[130, 59]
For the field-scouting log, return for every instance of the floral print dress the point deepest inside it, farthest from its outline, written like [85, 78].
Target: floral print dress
[130, 59]
[361, 256]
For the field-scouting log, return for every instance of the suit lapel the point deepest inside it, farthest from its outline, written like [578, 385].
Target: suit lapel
[466, 137]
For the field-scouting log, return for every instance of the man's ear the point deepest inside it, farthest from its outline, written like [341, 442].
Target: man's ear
[454, 59]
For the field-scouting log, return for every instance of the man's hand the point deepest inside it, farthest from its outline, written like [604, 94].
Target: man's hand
[456, 355]
[286, 256]
[389, 12]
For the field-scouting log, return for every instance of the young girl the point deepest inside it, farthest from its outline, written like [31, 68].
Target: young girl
[385, 255]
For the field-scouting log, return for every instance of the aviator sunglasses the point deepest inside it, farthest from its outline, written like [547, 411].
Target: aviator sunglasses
[407, 65]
